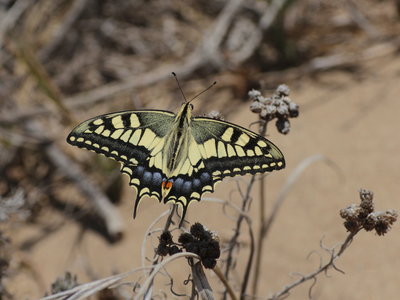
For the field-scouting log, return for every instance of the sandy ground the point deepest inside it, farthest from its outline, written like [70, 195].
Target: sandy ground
[353, 121]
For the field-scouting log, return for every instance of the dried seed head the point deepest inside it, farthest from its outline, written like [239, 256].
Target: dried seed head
[364, 214]
[366, 195]
[351, 225]
[350, 213]
[214, 114]
[162, 249]
[254, 94]
[385, 221]
[370, 222]
[278, 106]
[283, 125]
[283, 90]
[185, 238]
[256, 107]
[173, 250]
[166, 238]
[293, 110]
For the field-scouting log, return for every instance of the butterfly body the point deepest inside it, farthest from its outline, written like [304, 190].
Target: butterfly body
[176, 157]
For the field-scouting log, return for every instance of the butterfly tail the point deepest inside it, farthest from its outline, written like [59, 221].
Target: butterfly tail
[184, 210]
[136, 205]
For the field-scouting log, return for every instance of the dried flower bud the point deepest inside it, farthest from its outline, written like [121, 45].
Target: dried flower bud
[185, 238]
[282, 110]
[384, 221]
[350, 213]
[278, 106]
[283, 90]
[293, 110]
[254, 94]
[366, 195]
[256, 107]
[270, 109]
[173, 250]
[370, 221]
[162, 249]
[283, 125]
[166, 238]
[214, 114]
[351, 226]
[209, 263]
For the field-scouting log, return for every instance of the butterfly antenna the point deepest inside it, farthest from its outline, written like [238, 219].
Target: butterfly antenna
[177, 81]
[211, 85]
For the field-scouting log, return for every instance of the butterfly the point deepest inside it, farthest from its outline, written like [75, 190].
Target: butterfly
[176, 157]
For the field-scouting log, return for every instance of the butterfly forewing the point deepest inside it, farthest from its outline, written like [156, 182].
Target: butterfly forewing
[229, 150]
[134, 138]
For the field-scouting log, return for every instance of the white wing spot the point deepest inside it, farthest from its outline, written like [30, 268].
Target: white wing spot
[221, 149]
[134, 140]
[262, 144]
[231, 151]
[135, 121]
[126, 135]
[117, 122]
[227, 134]
[147, 138]
[117, 133]
[243, 139]
[106, 133]
[100, 129]
[250, 152]
[240, 151]
[144, 191]
[135, 181]
[258, 151]
[195, 195]
[98, 122]
[127, 170]
[72, 138]
[210, 148]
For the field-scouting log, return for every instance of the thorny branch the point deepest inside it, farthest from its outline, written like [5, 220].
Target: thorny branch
[330, 264]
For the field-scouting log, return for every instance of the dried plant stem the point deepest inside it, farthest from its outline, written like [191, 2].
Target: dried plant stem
[246, 276]
[149, 281]
[168, 223]
[225, 282]
[260, 237]
[324, 268]
[234, 240]
[200, 281]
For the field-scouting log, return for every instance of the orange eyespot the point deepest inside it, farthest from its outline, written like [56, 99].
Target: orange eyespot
[166, 185]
